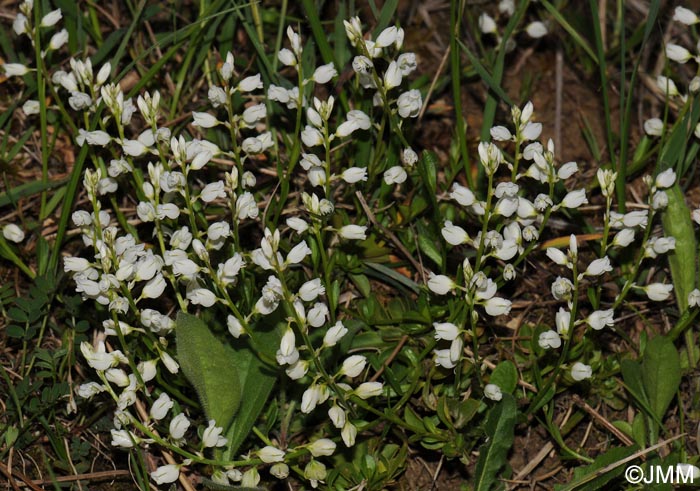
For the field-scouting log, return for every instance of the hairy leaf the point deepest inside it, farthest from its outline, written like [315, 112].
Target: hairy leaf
[678, 224]
[493, 455]
[210, 367]
[661, 374]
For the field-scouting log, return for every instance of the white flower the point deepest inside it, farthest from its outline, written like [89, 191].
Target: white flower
[441, 284]
[685, 16]
[599, 267]
[574, 199]
[563, 321]
[51, 18]
[353, 232]
[31, 107]
[310, 399]
[154, 288]
[212, 191]
[658, 291]
[13, 233]
[601, 318]
[317, 176]
[15, 69]
[677, 53]
[211, 436]
[486, 23]
[557, 256]
[454, 235]
[298, 253]
[311, 289]
[354, 174]
[497, 306]
[694, 298]
[204, 120]
[323, 447]
[500, 133]
[178, 426]
[395, 175]
[653, 127]
[270, 454]
[217, 96]
[561, 288]
[288, 343]
[324, 73]
[166, 474]
[536, 29]
[445, 330]
[506, 206]
[624, 237]
[567, 170]
[666, 179]
[462, 195]
[250, 84]
[161, 406]
[58, 39]
[387, 37]
[286, 57]
[353, 366]
[170, 364]
[409, 104]
[134, 148]
[334, 334]
[392, 76]
[659, 200]
[369, 389]
[493, 392]
[311, 136]
[123, 438]
[667, 86]
[348, 433]
[531, 131]
[21, 24]
[579, 371]
[407, 63]
[549, 339]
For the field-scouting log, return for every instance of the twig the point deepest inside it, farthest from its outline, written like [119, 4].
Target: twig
[533, 463]
[598, 417]
[390, 235]
[88, 476]
[393, 354]
[10, 474]
[441, 67]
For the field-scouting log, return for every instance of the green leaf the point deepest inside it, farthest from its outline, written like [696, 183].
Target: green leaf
[428, 247]
[505, 375]
[256, 380]
[661, 374]
[493, 455]
[427, 167]
[590, 477]
[678, 224]
[211, 368]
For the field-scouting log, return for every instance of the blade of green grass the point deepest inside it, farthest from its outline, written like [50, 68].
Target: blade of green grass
[386, 16]
[578, 39]
[456, 76]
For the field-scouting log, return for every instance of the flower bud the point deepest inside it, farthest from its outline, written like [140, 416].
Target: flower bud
[493, 392]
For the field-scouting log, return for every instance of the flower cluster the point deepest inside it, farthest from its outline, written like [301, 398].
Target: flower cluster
[510, 223]
[190, 241]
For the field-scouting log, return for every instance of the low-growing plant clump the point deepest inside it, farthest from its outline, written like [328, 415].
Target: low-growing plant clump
[269, 281]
